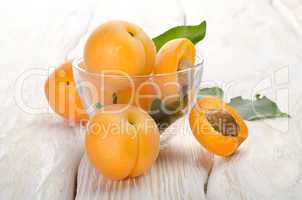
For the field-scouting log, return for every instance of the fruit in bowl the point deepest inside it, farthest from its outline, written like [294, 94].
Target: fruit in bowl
[121, 66]
[176, 55]
[146, 93]
[130, 92]
[119, 46]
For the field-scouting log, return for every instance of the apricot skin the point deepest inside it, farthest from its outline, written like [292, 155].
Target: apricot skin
[62, 95]
[145, 95]
[122, 141]
[119, 45]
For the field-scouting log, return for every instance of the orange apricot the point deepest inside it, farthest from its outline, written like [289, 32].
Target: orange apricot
[62, 94]
[175, 55]
[119, 46]
[122, 141]
[141, 94]
[217, 126]
[145, 94]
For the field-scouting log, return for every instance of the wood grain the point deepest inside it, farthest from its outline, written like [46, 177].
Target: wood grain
[180, 172]
[267, 166]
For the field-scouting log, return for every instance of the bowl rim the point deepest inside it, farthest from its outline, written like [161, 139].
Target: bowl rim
[77, 61]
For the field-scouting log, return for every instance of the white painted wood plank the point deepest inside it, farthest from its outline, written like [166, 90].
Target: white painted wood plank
[39, 155]
[268, 166]
[180, 172]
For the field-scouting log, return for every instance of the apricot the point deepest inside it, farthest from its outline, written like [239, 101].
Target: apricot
[217, 126]
[122, 141]
[174, 56]
[62, 94]
[145, 94]
[120, 46]
[112, 95]
[120, 97]
[141, 95]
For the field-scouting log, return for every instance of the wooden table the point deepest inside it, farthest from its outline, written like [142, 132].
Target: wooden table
[267, 166]
[180, 172]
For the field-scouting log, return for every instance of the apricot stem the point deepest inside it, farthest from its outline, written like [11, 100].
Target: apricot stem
[114, 98]
[131, 33]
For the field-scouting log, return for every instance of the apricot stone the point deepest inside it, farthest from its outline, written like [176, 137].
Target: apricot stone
[120, 46]
[122, 141]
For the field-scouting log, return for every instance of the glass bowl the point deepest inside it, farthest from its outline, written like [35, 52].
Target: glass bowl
[166, 97]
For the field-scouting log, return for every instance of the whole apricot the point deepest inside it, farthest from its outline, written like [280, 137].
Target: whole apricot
[146, 93]
[141, 95]
[62, 94]
[119, 46]
[122, 141]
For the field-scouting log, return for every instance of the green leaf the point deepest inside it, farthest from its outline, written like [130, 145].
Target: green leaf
[212, 91]
[194, 33]
[259, 108]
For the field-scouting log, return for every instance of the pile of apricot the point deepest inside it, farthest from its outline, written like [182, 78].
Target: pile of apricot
[123, 141]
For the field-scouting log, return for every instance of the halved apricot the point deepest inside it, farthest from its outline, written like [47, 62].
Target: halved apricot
[217, 126]
[175, 55]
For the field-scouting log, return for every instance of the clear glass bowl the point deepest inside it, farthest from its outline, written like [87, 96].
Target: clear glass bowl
[166, 97]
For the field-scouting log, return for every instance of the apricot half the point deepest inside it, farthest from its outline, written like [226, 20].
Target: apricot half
[175, 55]
[120, 46]
[217, 126]
[62, 94]
[122, 141]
